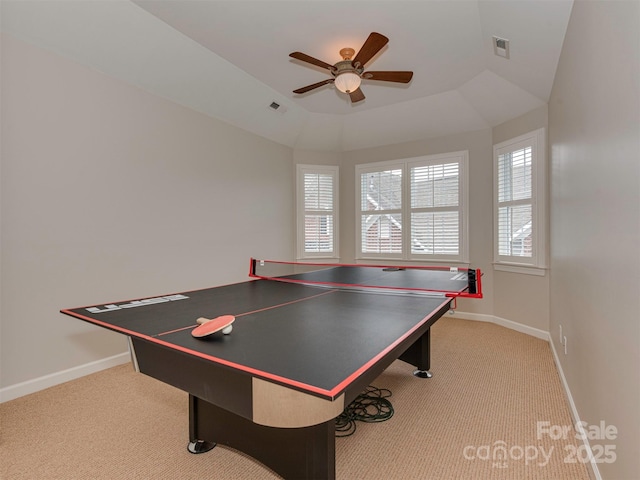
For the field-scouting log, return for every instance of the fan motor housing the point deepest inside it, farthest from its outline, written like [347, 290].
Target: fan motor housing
[345, 66]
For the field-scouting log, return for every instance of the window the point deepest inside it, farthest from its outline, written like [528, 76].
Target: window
[414, 209]
[381, 211]
[317, 191]
[519, 207]
[435, 209]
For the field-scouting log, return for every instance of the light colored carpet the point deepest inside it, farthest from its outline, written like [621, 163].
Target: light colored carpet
[490, 387]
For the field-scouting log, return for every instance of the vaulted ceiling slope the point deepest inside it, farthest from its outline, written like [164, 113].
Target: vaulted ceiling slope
[229, 59]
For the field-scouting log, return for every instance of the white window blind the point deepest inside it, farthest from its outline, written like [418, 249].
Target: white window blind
[515, 216]
[381, 211]
[414, 209]
[435, 215]
[317, 211]
[519, 201]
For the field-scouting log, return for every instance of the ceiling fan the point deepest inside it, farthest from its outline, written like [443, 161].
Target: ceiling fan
[349, 72]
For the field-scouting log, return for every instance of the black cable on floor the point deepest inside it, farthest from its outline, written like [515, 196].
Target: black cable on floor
[370, 406]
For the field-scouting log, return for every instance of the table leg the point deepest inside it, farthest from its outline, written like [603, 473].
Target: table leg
[196, 444]
[419, 355]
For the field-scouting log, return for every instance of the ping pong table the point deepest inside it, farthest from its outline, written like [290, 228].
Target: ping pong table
[303, 346]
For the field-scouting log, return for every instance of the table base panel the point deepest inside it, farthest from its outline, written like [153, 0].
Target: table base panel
[307, 452]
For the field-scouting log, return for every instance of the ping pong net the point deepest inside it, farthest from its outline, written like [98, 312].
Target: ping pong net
[430, 280]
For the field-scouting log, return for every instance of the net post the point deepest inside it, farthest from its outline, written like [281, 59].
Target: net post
[471, 279]
[479, 282]
[475, 286]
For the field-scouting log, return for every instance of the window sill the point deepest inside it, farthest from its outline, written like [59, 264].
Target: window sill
[318, 257]
[414, 261]
[522, 269]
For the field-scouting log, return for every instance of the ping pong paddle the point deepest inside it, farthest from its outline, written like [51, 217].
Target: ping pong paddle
[211, 326]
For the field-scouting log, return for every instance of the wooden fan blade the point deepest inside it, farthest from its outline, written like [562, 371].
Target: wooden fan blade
[356, 96]
[371, 46]
[398, 77]
[313, 61]
[315, 85]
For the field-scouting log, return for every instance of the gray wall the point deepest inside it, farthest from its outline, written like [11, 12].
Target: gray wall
[594, 125]
[109, 192]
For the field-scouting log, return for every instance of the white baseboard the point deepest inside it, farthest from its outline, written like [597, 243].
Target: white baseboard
[594, 472]
[518, 327]
[31, 386]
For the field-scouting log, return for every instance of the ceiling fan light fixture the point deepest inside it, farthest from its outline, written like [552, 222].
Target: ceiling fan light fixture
[348, 73]
[347, 82]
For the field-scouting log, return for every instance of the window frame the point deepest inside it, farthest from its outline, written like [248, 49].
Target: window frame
[405, 165]
[301, 212]
[537, 263]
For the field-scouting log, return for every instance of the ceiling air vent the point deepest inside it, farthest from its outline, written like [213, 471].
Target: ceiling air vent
[501, 47]
[277, 107]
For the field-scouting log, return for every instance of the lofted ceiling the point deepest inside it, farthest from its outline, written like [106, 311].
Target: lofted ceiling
[230, 59]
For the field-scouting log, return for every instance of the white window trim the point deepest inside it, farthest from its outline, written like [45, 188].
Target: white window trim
[300, 211]
[537, 264]
[405, 165]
